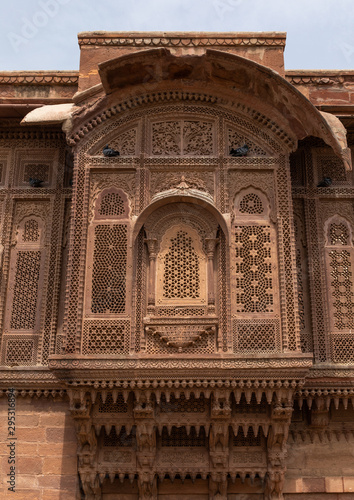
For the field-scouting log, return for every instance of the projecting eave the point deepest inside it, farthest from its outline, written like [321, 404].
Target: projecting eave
[234, 77]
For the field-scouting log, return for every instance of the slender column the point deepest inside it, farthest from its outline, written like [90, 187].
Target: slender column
[152, 248]
[210, 247]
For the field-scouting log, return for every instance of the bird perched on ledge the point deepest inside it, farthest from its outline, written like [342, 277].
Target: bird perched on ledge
[36, 183]
[110, 152]
[242, 151]
[326, 181]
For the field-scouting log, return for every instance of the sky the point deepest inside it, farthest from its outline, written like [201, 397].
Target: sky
[42, 34]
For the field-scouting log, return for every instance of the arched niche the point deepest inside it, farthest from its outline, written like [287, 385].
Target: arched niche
[178, 250]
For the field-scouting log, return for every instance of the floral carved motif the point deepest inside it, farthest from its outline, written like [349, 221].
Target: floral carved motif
[182, 137]
[237, 139]
[125, 143]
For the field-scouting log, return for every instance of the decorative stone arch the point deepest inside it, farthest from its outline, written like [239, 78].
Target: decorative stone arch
[253, 204]
[111, 204]
[198, 201]
[125, 138]
[338, 232]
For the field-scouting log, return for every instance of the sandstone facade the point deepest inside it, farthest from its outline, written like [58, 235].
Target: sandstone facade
[177, 321]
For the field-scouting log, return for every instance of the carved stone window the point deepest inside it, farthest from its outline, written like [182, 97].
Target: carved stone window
[108, 255]
[255, 292]
[26, 269]
[181, 268]
[181, 311]
[339, 256]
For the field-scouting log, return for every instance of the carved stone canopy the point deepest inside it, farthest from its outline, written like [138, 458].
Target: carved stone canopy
[269, 92]
[181, 212]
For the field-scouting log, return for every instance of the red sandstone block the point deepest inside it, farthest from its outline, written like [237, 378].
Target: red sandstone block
[26, 465]
[58, 482]
[60, 465]
[60, 434]
[293, 485]
[26, 481]
[29, 449]
[27, 420]
[58, 495]
[313, 484]
[334, 484]
[348, 484]
[26, 434]
[57, 419]
[23, 494]
[68, 449]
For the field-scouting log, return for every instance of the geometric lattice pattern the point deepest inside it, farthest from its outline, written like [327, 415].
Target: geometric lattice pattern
[19, 352]
[110, 407]
[342, 347]
[179, 437]
[254, 285]
[181, 264]
[121, 440]
[109, 269]
[249, 440]
[257, 335]
[339, 234]
[183, 405]
[24, 306]
[300, 290]
[36, 171]
[30, 232]
[179, 311]
[251, 204]
[111, 204]
[332, 167]
[106, 337]
[342, 289]
[251, 407]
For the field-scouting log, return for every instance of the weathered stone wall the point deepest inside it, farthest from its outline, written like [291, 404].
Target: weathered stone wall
[46, 460]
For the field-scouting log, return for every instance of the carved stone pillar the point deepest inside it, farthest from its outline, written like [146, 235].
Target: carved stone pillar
[80, 408]
[147, 484]
[277, 452]
[219, 432]
[210, 247]
[152, 249]
[218, 486]
[146, 447]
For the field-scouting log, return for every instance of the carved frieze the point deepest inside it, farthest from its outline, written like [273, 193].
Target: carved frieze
[162, 181]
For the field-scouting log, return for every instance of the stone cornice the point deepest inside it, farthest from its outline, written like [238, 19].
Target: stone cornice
[39, 78]
[25, 133]
[73, 368]
[319, 77]
[181, 39]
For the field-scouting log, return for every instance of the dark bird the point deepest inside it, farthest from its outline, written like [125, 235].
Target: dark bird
[36, 183]
[326, 181]
[239, 151]
[109, 152]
